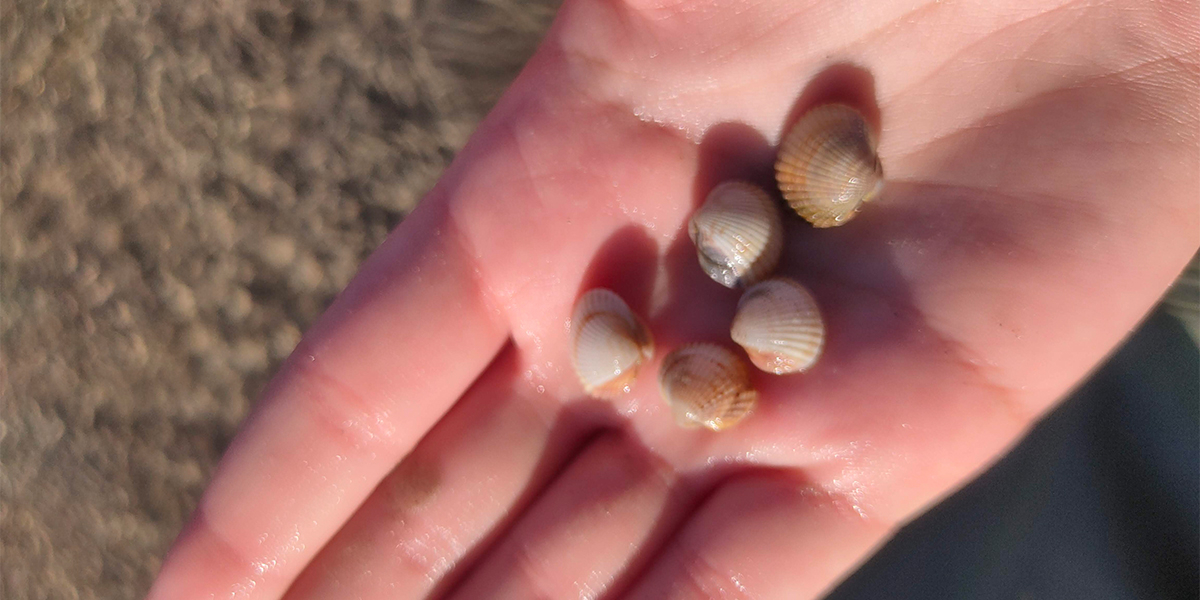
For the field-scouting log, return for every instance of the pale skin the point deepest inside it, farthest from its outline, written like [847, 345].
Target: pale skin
[428, 438]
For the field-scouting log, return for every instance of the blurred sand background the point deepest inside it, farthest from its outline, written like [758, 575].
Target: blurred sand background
[185, 186]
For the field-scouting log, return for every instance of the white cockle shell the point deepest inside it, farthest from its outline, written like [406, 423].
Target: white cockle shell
[779, 325]
[608, 343]
[738, 234]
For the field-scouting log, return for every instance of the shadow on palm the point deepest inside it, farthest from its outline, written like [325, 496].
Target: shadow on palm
[898, 389]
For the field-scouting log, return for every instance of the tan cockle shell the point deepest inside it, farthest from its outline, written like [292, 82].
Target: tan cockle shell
[827, 165]
[738, 234]
[706, 385]
[779, 324]
[608, 343]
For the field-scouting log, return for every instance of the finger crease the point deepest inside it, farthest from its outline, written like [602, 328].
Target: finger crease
[493, 304]
[341, 410]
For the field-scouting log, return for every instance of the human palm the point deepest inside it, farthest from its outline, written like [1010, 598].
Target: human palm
[1042, 169]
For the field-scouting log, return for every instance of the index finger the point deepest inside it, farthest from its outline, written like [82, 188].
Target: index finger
[382, 365]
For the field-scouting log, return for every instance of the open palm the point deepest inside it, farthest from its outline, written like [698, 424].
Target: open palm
[429, 437]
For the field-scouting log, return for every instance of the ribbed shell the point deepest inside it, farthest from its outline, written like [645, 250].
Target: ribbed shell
[706, 385]
[738, 234]
[608, 343]
[779, 324]
[827, 165]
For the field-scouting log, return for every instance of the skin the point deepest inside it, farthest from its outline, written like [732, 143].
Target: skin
[428, 438]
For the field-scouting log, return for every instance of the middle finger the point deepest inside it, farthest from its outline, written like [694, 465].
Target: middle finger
[476, 468]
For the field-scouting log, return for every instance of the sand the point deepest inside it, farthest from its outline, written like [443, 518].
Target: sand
[185, 187]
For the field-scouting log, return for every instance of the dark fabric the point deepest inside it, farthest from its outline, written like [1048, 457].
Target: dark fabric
[1100, 501]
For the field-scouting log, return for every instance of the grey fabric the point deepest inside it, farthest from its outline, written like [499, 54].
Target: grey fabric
[1100, 501]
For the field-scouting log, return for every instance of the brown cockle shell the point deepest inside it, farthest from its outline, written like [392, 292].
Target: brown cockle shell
[738, 234]
[608, 343]
[827, 165]
[779, 324]
[706, 385]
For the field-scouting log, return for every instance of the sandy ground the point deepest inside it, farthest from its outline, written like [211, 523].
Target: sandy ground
[185, 186]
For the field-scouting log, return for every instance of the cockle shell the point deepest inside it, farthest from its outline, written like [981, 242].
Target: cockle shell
[608, 343]
[779, 324]
[738, 234]
[706, 385]
[827, 165]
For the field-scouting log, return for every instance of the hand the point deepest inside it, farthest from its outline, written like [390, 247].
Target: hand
[1042, 165]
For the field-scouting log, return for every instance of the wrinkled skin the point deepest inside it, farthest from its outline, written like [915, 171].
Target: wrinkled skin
[429, 438]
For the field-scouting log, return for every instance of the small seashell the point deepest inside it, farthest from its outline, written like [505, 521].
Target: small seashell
[738, 234]
[827, 165]
[707, 385]
[779, 324]
[608, 343]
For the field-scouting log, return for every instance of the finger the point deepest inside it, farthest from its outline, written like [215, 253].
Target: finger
[364, 385]
[406, 338]
[588, 527]
[495, 450]
[762, 537]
